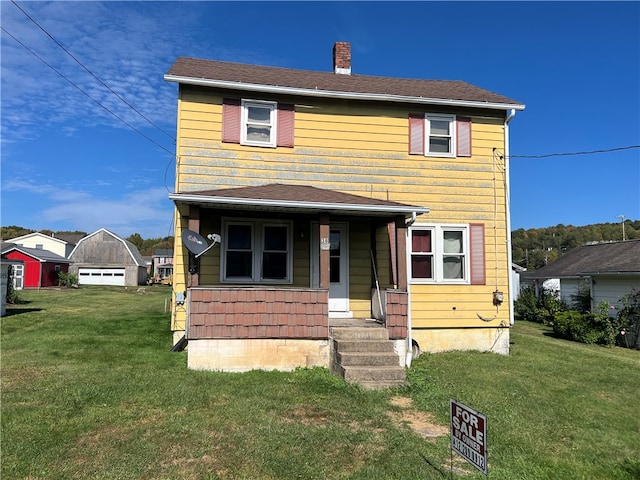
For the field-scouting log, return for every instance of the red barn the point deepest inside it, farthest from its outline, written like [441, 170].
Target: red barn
[41, 267]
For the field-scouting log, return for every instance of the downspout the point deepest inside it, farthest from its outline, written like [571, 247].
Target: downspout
[512, 113]
[409, 355]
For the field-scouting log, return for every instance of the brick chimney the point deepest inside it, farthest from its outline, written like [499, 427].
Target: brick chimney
[342, 58]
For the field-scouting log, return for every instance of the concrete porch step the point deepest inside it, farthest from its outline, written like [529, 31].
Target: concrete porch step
[363, 354]
[360, 333]
[371, 359]
[374, 374]
[364, 346]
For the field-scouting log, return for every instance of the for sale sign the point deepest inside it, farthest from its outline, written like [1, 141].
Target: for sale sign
[469, 434]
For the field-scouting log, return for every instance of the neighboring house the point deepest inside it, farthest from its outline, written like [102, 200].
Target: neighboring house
[61, 245]
[103, 258]
[516, 271]
[162, 264]
[337, 197]
[40, 267]
[609, 270]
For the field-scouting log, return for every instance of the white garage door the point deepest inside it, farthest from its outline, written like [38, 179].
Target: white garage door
[101, 276]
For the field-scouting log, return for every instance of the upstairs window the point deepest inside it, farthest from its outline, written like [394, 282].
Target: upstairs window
[257, 123]
[438, 135]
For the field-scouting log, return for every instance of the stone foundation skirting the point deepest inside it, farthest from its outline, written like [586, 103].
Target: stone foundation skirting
[243, 355]
[466, 339]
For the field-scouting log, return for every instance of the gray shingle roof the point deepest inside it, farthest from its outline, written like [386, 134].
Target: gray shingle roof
[37, 253]
[240, 74]
[301, 198]
[597, 258]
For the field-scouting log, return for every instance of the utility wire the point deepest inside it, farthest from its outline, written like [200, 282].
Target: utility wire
[90, 72]
[568, 154]
[89, 96]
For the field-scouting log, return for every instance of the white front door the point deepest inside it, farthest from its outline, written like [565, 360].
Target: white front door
[338, 267]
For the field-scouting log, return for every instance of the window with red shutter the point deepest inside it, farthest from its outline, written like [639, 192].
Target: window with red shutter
[258, 123]
[447, 254]
[438, 135]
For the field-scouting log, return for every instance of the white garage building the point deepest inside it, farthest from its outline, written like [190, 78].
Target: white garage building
[103, 258]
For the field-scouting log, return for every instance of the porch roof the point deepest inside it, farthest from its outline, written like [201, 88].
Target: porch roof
[278, 197]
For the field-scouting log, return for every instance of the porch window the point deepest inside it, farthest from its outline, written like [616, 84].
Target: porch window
[439, 254]
[257, 251]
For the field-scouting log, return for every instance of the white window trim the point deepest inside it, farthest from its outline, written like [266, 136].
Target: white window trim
[438, 253]
[244, 120]
[427, 134]
[257, 246]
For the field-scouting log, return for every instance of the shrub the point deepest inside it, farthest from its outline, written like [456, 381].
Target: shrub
[12, 295]
[581, 300]
[67, 279]
[594, 327]
[540, 309]
[629, 320]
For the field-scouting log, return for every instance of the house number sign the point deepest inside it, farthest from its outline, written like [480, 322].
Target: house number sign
[325, 244]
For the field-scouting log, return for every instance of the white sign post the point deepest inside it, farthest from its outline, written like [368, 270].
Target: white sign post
[469, 435]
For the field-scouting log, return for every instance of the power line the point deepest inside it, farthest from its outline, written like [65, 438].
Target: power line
[90, 72]
[85, 93]
[590, 152]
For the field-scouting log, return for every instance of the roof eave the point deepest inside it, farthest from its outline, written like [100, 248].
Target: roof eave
[299, 205]
[308, 92]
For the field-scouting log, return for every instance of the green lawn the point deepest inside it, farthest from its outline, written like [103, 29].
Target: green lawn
[91, 390]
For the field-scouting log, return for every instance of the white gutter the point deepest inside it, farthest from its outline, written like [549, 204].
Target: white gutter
[270, 203]
[309, 92]
[507, 191]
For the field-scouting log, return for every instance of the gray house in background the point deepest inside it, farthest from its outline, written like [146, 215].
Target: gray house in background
[610, 270]
[103, 258]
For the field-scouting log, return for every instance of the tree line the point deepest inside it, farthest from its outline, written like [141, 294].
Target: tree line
[533, 248]
[145, 246]
[536, 247]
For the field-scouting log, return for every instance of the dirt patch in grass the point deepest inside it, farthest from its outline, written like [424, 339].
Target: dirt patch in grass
[422, 423]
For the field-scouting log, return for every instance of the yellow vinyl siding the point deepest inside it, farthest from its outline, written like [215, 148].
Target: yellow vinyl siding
[359, 270]
[362, 148]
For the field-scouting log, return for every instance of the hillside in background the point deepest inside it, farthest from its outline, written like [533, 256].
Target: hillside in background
[533, 248]
[536, 247]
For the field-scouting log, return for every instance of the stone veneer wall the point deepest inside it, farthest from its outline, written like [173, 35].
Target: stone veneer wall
[396, 313]
[258, 313]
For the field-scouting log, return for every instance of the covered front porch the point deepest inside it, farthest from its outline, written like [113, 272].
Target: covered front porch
[294, 261]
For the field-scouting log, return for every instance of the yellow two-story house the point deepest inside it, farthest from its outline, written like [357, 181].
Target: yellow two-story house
[327, 198]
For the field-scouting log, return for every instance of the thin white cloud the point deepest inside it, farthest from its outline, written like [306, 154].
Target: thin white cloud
[147, 212]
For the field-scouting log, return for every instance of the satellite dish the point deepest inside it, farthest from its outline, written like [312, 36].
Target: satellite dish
[196, 243]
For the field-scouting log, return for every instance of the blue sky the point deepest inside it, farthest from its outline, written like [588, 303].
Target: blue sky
[69, 164]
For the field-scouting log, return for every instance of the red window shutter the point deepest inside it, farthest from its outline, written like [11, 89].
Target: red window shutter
[416, 134]
[476, 253]
[463, 135]
[231, 120]
[286, 119]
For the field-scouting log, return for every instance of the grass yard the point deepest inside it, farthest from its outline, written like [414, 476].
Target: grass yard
[91, 390]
